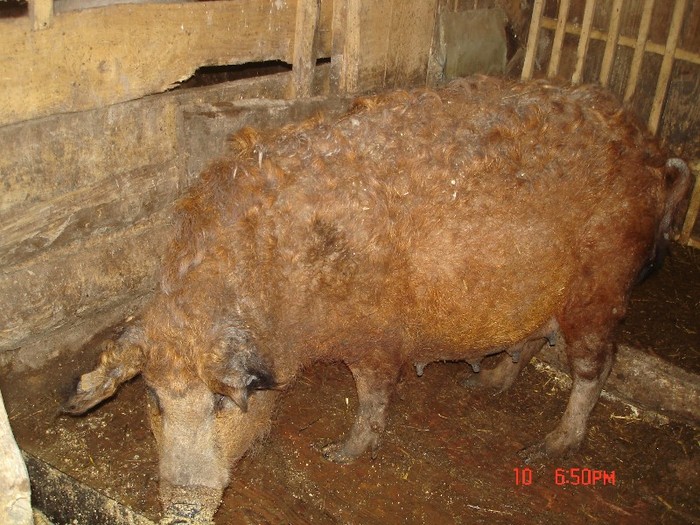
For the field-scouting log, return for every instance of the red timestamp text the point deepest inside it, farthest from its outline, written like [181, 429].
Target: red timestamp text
[571, 476]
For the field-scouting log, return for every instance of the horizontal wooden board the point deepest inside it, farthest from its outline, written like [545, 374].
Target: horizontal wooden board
[46, 158]
[96, 57]
[109, 204]
[56, 290]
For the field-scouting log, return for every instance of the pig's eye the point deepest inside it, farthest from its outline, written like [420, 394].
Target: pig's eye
[153, 399]
[222, 403]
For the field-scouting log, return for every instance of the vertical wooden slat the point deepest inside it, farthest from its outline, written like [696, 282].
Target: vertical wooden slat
[40, 13]
[558, 42]
[667, 65]
[693, 209]
[532, 40]
[338, 23]
[345, 59]
[584, 39]
[304, 54]
[642, 37]
[611, 43]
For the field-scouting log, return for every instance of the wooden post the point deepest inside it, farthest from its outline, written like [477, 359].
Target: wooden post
[15, 504]
[558, 42]
[532, 40]
[304, 55]
[345, 60]
[667, 65]
[585, 38]
[611, 43]
[642, 37]
[40, 13]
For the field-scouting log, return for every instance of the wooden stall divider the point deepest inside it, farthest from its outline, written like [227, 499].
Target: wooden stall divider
[667, 65]
[611, 43]
[639, 49]
[533, 40]
[557, 44]
[584, 39]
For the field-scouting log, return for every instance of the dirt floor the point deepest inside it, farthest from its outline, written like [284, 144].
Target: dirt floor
[449, 454]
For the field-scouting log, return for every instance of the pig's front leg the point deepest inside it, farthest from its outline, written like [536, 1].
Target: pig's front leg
[375, 384]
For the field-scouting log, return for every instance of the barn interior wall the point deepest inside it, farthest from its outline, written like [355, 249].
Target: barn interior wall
[87, 204]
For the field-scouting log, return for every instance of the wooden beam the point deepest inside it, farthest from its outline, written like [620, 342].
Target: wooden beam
[346, 45]
[533, 40]
[584, 39]
[644, 380]
[667, 65]
[40, 13]
[304, 55]
[408, 47]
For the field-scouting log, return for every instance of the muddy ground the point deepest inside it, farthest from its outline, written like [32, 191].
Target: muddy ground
[449, 454]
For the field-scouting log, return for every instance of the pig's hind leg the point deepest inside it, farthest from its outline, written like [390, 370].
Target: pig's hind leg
[586, 325]
[375, 383]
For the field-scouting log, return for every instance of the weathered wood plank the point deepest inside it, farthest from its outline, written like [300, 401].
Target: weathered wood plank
[15, 505]
[410, 36]
[78, 252]
[304, 54]
[645, 380]
[101, 56]
[55, 289]
[45, 158]
[347, 46]
[111, 204]
[370, 36]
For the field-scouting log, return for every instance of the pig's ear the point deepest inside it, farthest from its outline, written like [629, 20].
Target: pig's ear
[238, 370]
[119, 362]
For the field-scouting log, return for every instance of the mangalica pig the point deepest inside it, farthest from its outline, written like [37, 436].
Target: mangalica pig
[448, 224]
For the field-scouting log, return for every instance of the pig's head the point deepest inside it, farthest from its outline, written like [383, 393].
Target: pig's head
[209, 399]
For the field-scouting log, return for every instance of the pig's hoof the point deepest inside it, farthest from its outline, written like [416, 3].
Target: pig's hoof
[337, 453]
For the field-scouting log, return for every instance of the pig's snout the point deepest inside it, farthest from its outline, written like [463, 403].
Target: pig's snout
[189, 505]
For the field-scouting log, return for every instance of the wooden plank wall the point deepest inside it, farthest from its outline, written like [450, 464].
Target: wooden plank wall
[92, 154]
[79, 60]
[96, 57]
